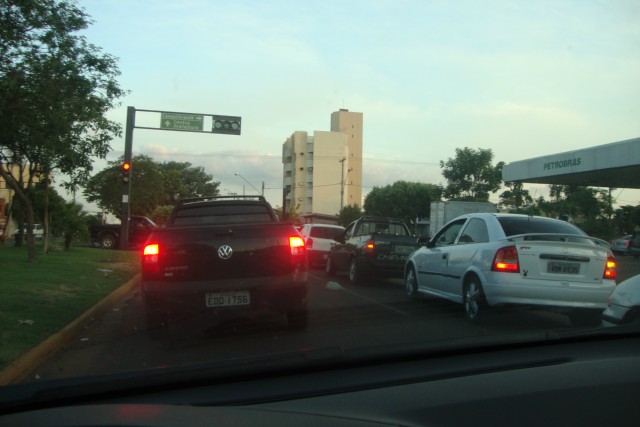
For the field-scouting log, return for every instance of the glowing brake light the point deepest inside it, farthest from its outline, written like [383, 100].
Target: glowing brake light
[151, 249]
[506, 260]
[610, 268]
[150, 253]
[296, 243]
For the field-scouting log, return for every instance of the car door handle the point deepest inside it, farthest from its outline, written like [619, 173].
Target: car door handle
[445, 256]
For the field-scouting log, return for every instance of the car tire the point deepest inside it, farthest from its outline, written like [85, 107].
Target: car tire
[411, 283]
[108, 241]
[580, 318]
[474, 301]
[330, 267]
[298, 319]
[355, 275]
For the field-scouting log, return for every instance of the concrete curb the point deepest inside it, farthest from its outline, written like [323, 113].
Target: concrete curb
[26, 364]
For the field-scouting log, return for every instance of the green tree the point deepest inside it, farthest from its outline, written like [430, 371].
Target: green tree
[74, 224]
[402, 199]
[626, 219]
[515, 197]
[55, 91]
[153, 185]
[470, 175]
[585, 206]
[348, 214]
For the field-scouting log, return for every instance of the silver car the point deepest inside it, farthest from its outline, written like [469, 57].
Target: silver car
[485, 260]
[621, 245]
[624, 303]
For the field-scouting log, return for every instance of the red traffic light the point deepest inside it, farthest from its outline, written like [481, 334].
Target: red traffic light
[126, 167]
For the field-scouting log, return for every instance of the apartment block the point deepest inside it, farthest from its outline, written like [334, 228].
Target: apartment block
[322, 171]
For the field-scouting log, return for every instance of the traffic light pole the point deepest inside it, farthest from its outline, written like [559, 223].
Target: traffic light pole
[185, 122]
[126, 189]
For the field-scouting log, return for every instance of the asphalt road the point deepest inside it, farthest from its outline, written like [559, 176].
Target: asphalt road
[341, 316]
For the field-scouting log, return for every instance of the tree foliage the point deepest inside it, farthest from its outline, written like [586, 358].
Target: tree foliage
[470, 175]
[155, 187]
[348, 214]
[515, 197]
[627, 219]
[55, 91]
[402, 199]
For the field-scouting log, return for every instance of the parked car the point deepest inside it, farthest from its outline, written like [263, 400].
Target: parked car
[620, 245]
[485, 260]
[38, 231]
[107, 236]
[624, 303]
[318, 239]
[371, 247]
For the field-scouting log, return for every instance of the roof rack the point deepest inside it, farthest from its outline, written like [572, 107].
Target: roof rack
[212, 198]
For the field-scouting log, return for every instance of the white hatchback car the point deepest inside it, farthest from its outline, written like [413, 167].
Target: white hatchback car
[318, 240]
[484, 260]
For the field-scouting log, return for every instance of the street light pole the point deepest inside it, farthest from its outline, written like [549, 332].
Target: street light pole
[251, 185]
[342, 184]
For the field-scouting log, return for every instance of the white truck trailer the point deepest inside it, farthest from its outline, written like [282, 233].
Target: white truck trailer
[443, 212]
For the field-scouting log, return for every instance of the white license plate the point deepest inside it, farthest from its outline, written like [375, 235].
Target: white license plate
[563, 268]
[404, 249]
[228, 299]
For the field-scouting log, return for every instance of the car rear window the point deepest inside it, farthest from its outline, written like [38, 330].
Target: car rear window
[325, 232]
[513, 226]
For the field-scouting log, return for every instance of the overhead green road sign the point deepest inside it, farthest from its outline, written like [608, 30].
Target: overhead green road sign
[229, 125]
[180, 121]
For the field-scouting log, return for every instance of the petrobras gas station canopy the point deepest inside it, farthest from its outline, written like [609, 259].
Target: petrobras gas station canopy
[614, 165]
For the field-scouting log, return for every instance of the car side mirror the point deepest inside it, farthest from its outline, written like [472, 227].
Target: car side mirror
[424, 240]
[339, 239]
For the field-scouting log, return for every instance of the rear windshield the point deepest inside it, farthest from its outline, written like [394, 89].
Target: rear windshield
[326, 232]
[387, 228]
[222, 214]
[524, 225]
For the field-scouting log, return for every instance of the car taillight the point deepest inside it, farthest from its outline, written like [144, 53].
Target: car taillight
[150, 253]
[297, 245]
[610, 268]
[506, 260]
[309, 243]
[369, 247]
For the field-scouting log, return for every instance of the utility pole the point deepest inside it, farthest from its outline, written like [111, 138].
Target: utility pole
[342, 184]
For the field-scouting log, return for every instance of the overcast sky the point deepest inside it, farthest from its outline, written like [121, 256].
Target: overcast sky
[523, 78]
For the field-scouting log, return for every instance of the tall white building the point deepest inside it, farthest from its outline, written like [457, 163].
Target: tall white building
[322, 172]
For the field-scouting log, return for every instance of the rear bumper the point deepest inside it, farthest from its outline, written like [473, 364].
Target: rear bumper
[384, 265]
[281, 294]
[547, 293]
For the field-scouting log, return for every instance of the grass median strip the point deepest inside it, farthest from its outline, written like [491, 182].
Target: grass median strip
[38, 299]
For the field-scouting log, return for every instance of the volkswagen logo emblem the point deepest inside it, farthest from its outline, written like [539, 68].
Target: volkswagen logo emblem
[225, 252]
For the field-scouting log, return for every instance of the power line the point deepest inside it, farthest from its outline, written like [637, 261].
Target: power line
[279, 158]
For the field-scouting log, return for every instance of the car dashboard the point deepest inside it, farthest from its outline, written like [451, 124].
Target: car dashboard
[569, 382]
